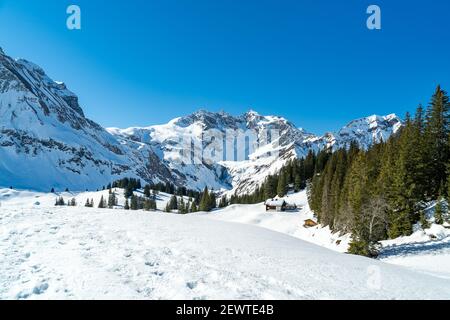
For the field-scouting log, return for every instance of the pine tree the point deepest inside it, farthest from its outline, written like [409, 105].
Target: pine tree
[298, 182]
[212, 201]
[193, 207]
[134, 203]
[102, 203]
[423, 220]
[60, 201]
[173, 203]
[112, 200]
[147, 191]
[147, 205]
[437, 129]
[181, 206]
[269, 187]
[223, 202]
[205, 200]
[127, 205]
[282, 185]
[439, 213]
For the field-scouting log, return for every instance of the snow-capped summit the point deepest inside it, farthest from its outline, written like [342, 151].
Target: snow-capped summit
[367, 131]
[46, 141]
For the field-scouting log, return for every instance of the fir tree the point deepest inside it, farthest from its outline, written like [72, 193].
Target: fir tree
[173, 203]
[205, 200]
[282, 184]
[147, 205]
[437, 129]
[439, 213]
[147, 190]
[102, 203]
[112, 200]
[134, 205]
[423, 220]
[193, 207]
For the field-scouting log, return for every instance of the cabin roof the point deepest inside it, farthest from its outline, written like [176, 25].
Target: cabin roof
[275, 202]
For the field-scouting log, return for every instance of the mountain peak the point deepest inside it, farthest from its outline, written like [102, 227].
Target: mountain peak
[1, 51]
[252, 112]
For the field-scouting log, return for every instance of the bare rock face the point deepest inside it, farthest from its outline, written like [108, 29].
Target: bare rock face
[46, 141]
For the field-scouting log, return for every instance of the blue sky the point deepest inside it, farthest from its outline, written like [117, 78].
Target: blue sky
[314, 62]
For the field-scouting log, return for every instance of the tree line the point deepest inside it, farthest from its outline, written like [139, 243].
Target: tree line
[380, 193]
[294, 176]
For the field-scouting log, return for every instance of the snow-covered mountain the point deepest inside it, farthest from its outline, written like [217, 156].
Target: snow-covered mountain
[46, 141]
[264, 157]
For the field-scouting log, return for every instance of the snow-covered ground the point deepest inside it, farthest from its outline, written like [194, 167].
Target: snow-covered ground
[290, 223]
[426, 251]
[49, 252]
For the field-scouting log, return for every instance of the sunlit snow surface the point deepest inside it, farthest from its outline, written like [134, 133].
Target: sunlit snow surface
[49, 252]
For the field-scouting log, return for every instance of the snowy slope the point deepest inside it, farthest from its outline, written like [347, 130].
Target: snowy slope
[290, 223]
[426, 251]
[64, 252]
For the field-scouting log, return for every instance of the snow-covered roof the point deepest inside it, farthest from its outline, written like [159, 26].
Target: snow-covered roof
[275, 202]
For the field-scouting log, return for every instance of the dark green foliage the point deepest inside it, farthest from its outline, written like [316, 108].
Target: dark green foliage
[147, 192]
[60, 201]
[294, 176]
[129, 184]
[102, 203]
[439, 213]
[207, 201]
[112, 199]
[134, 204]
[173, 203]
[423, 221]
[223, 202]
[149, 204]
[381, 192]
[89, 203]
[282, 184]
[72, 202]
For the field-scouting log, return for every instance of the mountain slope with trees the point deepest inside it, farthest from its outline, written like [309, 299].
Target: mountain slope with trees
[380, 193]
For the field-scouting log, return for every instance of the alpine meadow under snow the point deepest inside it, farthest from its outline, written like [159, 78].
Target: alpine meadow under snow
[50, 252]
[163, 227]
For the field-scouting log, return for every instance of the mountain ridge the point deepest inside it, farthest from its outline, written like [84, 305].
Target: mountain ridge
[44, 131]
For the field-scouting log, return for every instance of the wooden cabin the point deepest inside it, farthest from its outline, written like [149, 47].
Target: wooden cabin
[279, 205]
